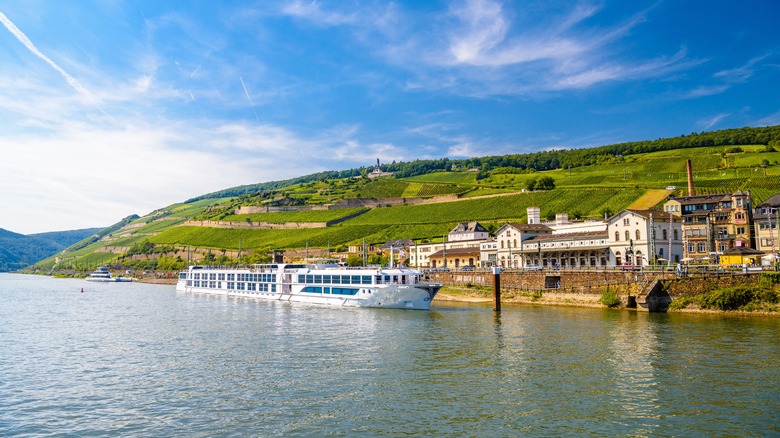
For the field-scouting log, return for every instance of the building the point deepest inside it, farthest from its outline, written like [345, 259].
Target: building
[766, 217]
[713, 224]
[465, 235]
[740, 256]
[456, 258]
[510, 238]
[488, 253]
[567, 250]
[641, 237]
[468, 231]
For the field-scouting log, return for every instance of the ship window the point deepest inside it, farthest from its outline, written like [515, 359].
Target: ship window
[355, 279]
[343, 291]
[318, 278]
[326, 279]
[366, 279]
[231, 285]
[273, 288]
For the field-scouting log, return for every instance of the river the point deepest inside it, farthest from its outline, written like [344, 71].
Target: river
[143, 360]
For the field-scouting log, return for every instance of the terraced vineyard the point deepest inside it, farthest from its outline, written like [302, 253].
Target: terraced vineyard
[586, 191]
[281, 217]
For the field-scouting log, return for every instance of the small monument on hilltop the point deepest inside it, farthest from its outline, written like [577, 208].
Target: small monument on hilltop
[377, 172]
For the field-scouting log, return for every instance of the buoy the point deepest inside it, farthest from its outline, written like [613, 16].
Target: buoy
[82, 290]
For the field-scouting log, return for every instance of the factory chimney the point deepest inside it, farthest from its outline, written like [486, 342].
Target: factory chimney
[690, 178]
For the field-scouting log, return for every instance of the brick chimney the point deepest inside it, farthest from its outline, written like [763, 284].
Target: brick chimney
[690, 177]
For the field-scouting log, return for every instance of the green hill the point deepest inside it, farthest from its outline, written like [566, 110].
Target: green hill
[588, 183]
[18, 250]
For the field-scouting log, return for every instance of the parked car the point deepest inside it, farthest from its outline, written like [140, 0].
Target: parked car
[532, 268]
[467, 268]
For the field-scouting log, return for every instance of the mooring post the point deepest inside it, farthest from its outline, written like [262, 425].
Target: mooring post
[497, 287]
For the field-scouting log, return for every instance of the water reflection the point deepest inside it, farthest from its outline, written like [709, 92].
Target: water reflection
[633, 350]
[144, 360]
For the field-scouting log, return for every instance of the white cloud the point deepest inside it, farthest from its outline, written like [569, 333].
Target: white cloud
[709, 122]
[16, 32]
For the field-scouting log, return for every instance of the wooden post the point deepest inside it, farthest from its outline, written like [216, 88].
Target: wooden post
[497, 288]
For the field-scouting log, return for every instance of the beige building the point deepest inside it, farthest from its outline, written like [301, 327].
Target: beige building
[766, 217]
[713, 224]
[465, 235]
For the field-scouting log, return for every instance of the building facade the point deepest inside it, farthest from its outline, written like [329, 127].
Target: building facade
[713, 224]
[766, 217]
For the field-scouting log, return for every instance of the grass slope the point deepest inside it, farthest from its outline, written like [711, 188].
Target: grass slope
[637, 181]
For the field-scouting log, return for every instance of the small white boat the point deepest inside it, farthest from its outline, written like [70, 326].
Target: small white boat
[101, 274]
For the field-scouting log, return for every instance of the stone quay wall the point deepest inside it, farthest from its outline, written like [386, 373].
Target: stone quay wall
[624, 283]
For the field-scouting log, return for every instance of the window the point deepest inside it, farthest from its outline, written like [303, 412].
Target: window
[626, 221]
[502, 244]
[740, 230]
[638, 235]
[617, 236]
[628, 236]
[664, 234]
[514, 243]
[675, 235]
[701, 247]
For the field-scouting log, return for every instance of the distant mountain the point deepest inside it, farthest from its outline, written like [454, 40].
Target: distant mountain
[19, 250]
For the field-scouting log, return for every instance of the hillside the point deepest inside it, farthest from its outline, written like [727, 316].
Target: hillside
[18, 250]
[424, 206]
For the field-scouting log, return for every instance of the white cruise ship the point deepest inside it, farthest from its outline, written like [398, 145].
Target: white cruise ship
[319, 283]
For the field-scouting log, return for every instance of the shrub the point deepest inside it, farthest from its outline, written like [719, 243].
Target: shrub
[731, 298]
[609, 298]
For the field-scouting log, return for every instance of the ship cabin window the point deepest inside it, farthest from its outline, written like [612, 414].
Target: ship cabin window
[231, 277]
[366, 279]
[387, 279]
[378, 279]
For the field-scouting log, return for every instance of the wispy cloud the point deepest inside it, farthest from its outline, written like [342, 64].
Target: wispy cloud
[16, 32]
[708, 123]
[742, 73]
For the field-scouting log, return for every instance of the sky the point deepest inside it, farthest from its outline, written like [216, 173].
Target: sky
[117, 107]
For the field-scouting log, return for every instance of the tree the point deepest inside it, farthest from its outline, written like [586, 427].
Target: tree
[354, 260]
[531, 184]
[545, 183]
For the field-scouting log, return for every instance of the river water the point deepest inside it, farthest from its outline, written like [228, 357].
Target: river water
[144, 360]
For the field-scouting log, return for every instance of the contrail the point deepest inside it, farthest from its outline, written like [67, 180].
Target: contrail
[201, 63]
[31, 47]
[249, 98]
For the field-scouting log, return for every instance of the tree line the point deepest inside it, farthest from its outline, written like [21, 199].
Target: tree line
[559, 158]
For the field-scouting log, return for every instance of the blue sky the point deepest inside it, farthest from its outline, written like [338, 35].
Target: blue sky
[111, 107]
